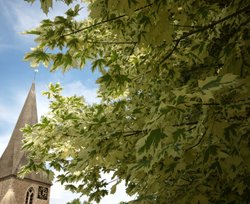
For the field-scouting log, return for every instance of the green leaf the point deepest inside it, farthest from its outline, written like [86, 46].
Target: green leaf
[37, 56]
[46, 5]
[210, 82]
[104, 79]
[30, 1]
[153, 139]
[228, 78]
[200, 199]
[99, 63]
[113, 189]
[211, 150]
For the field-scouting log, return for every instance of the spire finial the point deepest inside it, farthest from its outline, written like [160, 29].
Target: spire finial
[35, 72]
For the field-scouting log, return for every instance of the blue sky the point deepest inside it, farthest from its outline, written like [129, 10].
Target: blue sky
[16, 77]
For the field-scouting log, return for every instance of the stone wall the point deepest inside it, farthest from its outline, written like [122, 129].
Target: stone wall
[20, 188]
[4, 186]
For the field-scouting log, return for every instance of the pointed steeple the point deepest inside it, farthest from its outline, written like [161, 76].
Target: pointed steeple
[14, 157]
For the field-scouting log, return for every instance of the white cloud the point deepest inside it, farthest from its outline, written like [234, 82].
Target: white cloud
[57, 191]
[22, 16]
[69, 89]
[60, 196]
[42, 101]
[25, 16]
[77, 88]
[120, 194]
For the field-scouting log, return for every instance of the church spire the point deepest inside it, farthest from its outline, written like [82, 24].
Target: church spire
[14, 157]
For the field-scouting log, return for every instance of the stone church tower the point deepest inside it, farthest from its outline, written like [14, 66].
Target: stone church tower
[34, 188]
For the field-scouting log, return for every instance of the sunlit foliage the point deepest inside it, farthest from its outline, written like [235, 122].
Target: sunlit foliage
[173, 120]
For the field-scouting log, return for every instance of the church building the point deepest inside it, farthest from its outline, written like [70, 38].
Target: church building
[35, 187]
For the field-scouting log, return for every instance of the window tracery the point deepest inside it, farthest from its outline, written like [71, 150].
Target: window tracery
[29, 196]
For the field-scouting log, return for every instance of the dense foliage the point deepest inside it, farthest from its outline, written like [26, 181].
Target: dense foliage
[173, 121]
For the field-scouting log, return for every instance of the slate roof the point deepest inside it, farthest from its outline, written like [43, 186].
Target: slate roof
[13, 157]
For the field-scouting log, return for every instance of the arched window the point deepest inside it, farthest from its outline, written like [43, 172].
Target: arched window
[30, 196]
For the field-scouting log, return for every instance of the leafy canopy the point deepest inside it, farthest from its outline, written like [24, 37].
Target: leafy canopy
[173, 120]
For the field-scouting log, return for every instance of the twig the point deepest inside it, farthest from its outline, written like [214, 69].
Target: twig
[113, 181]
[105, 21]
[195, 145]
[93, 25]
[240, 102]
[111, 42]
[132, 50]
[171, 52]
[209, 26]
[184, 124]
[133, 133]
[187, 26]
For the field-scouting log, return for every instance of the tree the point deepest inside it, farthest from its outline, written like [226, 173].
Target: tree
[173, 120]
[75, 201]
[78, 201]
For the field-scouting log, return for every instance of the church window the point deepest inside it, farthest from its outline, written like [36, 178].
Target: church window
[29, 196]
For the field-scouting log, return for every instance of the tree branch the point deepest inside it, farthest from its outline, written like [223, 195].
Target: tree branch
[172, 51]
[132, 50]
[195, 145]
[234, 103]
[209, 26]
[105, 21]
[185, 124]
[133, 133]
[112, 181]
[187, 26]
[93, 25]
[111, 42]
